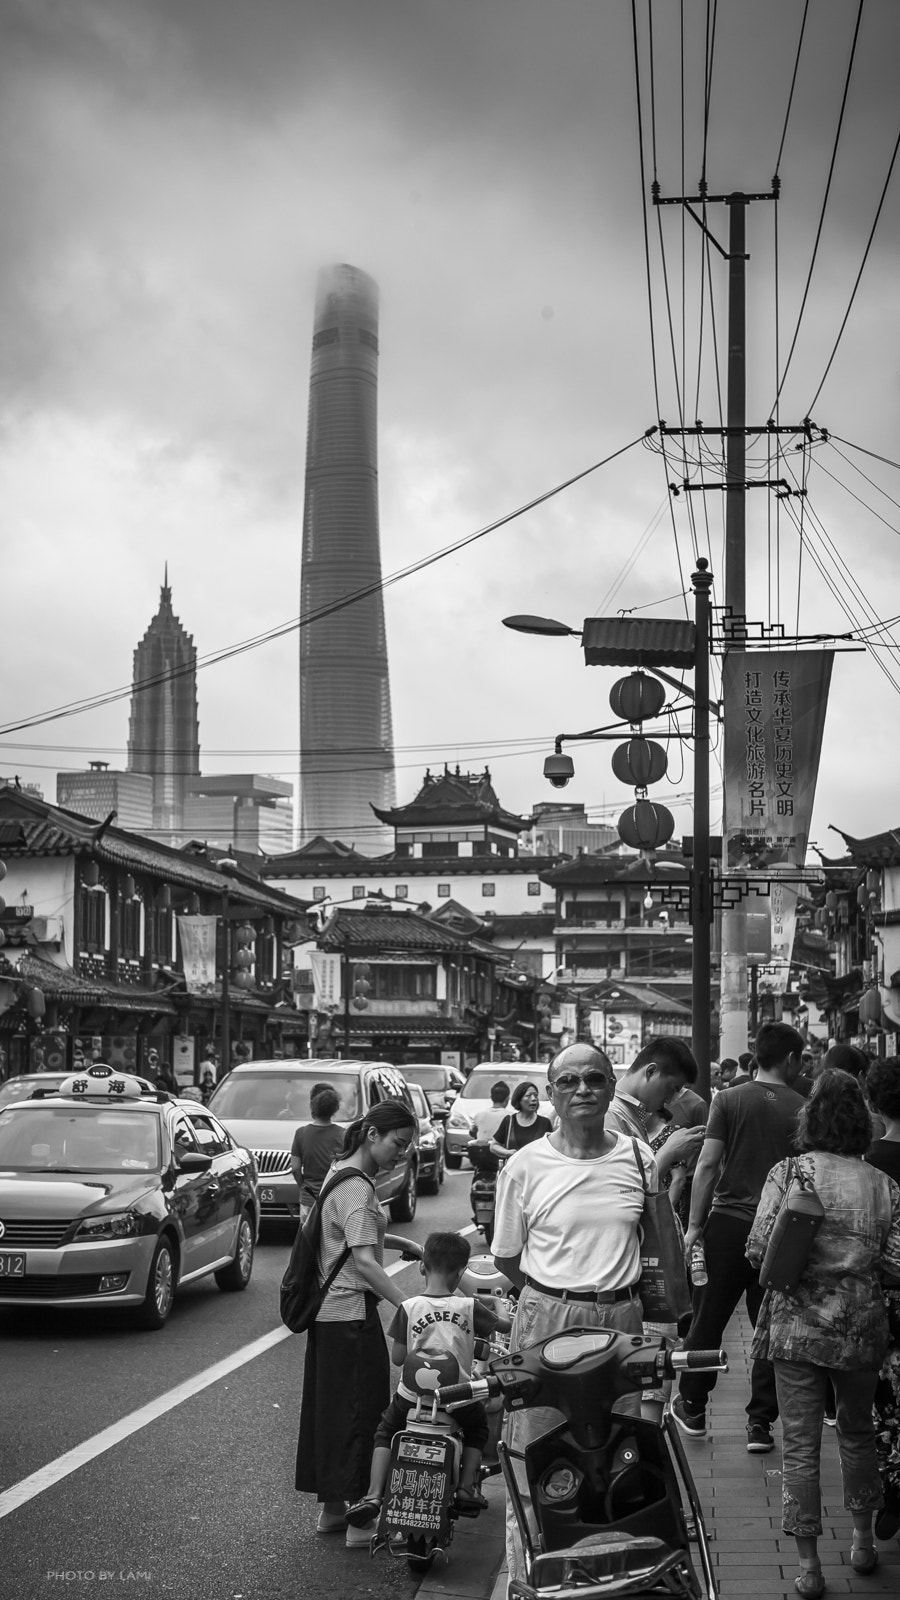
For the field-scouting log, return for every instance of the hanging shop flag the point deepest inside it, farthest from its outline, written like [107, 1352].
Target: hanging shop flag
[326, 971]
[198, 953]
[774, 705]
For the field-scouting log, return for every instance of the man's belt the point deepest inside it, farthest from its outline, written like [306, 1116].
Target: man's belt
[599, 1297]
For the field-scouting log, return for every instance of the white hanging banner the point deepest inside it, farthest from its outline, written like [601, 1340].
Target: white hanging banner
[326, 971]
[198, 953]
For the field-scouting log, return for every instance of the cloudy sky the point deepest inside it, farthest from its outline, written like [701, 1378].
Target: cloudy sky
[175, 172]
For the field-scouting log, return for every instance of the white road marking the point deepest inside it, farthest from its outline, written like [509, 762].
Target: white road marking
[107, 1438]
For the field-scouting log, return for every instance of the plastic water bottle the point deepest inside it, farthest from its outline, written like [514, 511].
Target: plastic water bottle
[699, 1274]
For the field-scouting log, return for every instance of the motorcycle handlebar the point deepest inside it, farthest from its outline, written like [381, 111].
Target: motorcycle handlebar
[464, 1393]
[699, 1360]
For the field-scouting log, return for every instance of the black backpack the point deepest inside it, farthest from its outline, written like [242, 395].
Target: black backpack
[301, 1293]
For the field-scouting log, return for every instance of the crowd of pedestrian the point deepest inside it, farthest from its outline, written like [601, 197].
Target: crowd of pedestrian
[567, 1234]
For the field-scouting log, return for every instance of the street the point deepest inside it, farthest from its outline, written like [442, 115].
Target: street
[197, 1500]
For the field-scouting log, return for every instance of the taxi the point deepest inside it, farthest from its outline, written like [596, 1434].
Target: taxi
[113, 1195]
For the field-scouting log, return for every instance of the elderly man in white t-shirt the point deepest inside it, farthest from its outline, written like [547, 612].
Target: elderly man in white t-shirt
[566, 1228]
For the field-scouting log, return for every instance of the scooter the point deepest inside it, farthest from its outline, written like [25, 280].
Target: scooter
[483, 1193]
[605, 1486]
[420, 1508]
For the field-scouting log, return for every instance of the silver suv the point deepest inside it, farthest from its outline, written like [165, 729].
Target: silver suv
[263, 1103]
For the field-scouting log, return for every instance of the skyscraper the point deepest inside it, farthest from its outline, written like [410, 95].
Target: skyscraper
[163, 728]
[346, 742]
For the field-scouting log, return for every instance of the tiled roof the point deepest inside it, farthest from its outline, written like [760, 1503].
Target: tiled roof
[392, 930]
[458, 797]
[62, 984]
[628, 641]
[396, 866]
[878, 850]
[613, 868]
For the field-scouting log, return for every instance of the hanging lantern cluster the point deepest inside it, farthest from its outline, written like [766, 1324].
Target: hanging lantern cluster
[244, 956]
[644, 826]
[362, 988]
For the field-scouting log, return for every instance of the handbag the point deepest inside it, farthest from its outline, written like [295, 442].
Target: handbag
[302, 1295]
[663, 1285]
[798, 1221]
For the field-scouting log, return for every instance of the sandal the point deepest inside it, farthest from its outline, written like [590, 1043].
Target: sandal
[470, 1500]
[810, 1582]
[363, 1512]
[864, 1557]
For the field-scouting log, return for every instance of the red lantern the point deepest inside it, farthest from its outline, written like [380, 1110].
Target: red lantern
[646, 826]
[243, 959]
[35, 1004]
[245, 935]
[637, 697]
[639, 762]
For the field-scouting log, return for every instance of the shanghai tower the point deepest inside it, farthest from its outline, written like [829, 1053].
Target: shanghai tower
[346, 742]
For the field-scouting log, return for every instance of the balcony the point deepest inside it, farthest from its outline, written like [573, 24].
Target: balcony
[646, 930]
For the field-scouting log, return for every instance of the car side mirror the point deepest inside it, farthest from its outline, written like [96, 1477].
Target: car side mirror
[193, 1161]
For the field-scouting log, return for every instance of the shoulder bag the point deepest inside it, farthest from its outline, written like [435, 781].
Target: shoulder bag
[302, 1295]
[798, 1221]
[663, 1285]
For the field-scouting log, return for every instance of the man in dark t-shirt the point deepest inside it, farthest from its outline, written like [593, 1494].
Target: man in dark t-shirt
[750, 1128]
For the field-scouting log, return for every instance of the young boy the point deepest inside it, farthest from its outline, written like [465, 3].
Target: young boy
[437, 1322]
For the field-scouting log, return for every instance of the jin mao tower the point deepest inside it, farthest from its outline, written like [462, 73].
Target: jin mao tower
[163, 728]
[346, 741]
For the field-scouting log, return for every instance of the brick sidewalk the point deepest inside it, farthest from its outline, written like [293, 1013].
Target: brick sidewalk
[741, 1499]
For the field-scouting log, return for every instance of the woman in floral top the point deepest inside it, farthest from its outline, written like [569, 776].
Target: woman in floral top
[834, 1324]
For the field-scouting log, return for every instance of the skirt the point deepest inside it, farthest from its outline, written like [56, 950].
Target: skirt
[346, 1387]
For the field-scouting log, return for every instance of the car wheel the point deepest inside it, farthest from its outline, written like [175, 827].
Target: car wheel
[237, 1274]
[454, 1161]
[430, 1185]
[403, 1209]
[154, 1312]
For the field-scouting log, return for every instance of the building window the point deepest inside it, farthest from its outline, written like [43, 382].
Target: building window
[318, 891]
[359, 891]
[402, 891]
[443, 891]
[403, 983]
[92, 921]
[488, 890]
[130, 929]
[534, 888]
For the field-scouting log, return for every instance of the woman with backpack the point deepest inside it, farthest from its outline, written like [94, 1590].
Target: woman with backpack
[346, 1375]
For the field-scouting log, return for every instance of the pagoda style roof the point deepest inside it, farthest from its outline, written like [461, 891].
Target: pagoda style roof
[616, 868]
[451, 799]
[351, 865]
[408, 931]
[878, 850]
[32, 827]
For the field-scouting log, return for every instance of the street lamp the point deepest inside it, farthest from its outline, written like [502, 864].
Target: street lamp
[650, 644]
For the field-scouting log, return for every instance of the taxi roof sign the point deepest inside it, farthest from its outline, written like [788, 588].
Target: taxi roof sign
[100, 1082]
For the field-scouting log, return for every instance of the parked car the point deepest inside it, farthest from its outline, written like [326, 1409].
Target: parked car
[475, 1096]
[441, 1084]
[263, 1103]
[112, 1196]
[431, 1143]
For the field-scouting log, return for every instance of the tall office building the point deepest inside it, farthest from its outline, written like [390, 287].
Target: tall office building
[346, 742]
[163, 728]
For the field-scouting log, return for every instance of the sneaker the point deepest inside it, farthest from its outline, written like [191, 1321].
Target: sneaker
[693, 1423]
[360, 1538]
[830, 1419]
[759, 1439]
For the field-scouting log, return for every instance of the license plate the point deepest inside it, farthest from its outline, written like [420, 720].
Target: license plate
[11, 1265]
[420, 1450]
[267, 1197]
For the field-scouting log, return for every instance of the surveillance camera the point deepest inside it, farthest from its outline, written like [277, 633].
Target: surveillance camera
[560, 770]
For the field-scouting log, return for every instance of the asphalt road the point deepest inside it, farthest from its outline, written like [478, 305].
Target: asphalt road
[197, 1501]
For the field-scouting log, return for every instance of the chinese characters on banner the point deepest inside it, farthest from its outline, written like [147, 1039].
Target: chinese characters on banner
[326, 971]
[198, 953]
[416, 1497]
[774, 705]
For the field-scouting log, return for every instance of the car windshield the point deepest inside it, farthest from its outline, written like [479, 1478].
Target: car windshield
[277, 1096]
[429, 1077]
[45, 1138]
[479, 1085]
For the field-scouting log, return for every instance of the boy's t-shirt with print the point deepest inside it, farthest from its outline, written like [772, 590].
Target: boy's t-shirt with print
[440, 1325]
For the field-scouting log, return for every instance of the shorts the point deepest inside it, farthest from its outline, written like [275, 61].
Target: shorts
[472, 1421]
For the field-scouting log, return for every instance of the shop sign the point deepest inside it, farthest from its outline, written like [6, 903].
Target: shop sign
[198, 953]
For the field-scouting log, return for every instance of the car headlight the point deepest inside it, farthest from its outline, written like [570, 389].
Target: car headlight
[112, 1225]
[458, 1119]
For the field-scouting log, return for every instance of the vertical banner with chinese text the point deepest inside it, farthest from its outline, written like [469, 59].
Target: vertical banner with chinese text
[774, 706]
[326, 971]
[198, 953]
